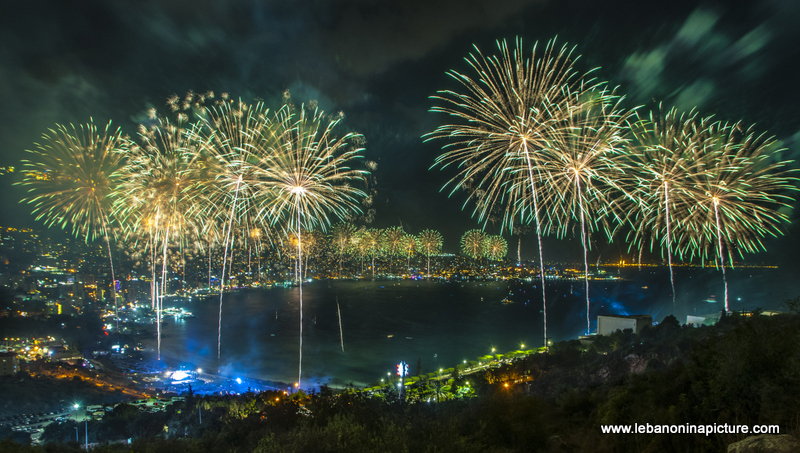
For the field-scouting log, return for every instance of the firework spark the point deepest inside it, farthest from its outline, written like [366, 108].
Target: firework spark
[429, 243]
[738, 193]
[666, 154]
[230, 140]
[503, 120]
[342, 237]
[496, 248]
[310, 178]
[581, 164]
[72, 179]
[157, 196]
[473, 244]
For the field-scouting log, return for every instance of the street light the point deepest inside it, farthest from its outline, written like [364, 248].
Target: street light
[438, 385]
[438, 378]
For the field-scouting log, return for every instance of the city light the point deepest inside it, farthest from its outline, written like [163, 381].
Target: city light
[557, 178]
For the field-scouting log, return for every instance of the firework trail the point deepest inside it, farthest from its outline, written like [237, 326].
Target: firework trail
[582, 163]
[72, 179]
[392, 242]
[231, 139]
[370, 242]
[665, 157]
[738, 191]
[310, 179]
[341, 334]
[224, 262]
[504, 118]
[430, 242]
[256, 234]
[342, 235]
[158, 195]
[496, 247]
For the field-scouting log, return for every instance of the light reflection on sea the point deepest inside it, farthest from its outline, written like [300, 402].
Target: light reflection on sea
[385, 322]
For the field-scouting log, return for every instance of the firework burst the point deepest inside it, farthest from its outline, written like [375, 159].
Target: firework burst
[429, 243]
[503, 121]
[369, 244]
[666, 153]
[158, 196]
[738, 192]
[473, 244]
[496, 248]
[310, 178]
[581, 164]
[408, 246]
[72, 179]
[342, 238]
[392, 243]
[231, 140]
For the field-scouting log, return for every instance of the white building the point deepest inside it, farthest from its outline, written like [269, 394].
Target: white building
[609, 324]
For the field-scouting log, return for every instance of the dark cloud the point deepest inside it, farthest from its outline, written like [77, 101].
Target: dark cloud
[707, 54]
[370, 37]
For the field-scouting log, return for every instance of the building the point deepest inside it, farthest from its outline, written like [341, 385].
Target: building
[609, 324]
[63, 354]
[703, 320]
[9, 364]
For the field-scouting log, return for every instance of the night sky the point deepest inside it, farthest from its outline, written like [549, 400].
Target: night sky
[64, 61]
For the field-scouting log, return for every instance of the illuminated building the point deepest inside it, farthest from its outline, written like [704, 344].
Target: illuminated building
[63, 354]
[608, 324]
[9, 364]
